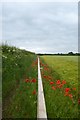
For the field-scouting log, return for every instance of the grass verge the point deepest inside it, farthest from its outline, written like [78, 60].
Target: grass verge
[19, 80]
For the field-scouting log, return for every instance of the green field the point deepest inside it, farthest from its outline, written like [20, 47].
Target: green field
[19, 80]
[60, 81]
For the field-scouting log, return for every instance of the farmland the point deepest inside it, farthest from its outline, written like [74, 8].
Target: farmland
[60, 81]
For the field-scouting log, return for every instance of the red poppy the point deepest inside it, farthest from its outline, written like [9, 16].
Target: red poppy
[63, 82]
[45, 68]
[60, 86]
[33, 80]
[74, 89]
[79, 101]
[58, 82]
[27, 80]
[45, 76]
[67, 89]
[34, 92]
[70, 95]
[51, 83]
[53, 88]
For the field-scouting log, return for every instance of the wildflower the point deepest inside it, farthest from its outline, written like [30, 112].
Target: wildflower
[70, 95]
[45, 76]
[16, 64]
[74, 89]
[4, 56]
[53, 88]
[33, 80]
[8, 50]
[27, 80]
[14, 50]
[34, 92]
[79, 101]
[60, 86]
[51, 83]
[67, 89]
[41, 68]
[46, 68]
[58, 82]
[63, 82]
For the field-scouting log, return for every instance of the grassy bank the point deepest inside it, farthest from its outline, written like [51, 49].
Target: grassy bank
[60, 81]
[19, 80]
[0, 83]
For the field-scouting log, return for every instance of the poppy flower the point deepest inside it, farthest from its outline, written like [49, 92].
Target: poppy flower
[33, 80]
[79, 101]
[67, 89]
[63, 82]
[27, 80]
[53, 88]
[51, 83]
[60, 86]
[45, 68]
[58, 82]
[70, 95]
[45, 76]
[74, 89]
[34, 92]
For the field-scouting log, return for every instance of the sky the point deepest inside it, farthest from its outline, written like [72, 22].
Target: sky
[41, 27]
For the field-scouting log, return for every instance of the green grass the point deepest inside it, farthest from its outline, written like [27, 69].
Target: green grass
[0, 83]
[60, 68]
[66, 67]
[19, 100]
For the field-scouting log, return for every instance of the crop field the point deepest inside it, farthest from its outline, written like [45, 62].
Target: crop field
[19, 83]
[60, 82]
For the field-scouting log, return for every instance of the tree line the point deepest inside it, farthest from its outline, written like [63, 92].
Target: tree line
[68, 54]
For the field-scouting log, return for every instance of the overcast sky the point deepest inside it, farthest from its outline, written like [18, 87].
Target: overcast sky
[41, 27]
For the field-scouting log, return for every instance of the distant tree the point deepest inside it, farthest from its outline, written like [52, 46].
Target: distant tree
[70, 53]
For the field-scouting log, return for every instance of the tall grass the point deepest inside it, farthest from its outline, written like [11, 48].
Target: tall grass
[0, 83]
[18, 97]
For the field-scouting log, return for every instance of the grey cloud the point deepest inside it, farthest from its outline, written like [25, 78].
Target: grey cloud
[45, 27]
